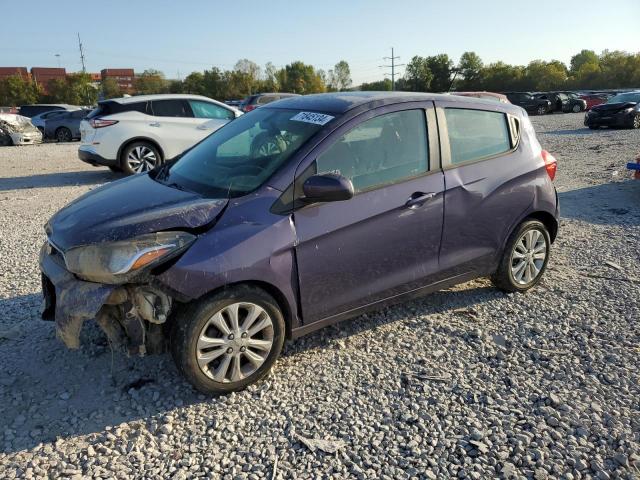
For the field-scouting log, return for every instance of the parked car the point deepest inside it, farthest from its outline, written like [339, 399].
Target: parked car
[530, 103]
[234, 103]
[38, 121]
[254, 101]
[576, 104]
[17, 130]
[305, 212]
[134, 134]
[66, 126]
[622, 110]
[35, 109]
[559, 102]
[593, 99]
[496, 97]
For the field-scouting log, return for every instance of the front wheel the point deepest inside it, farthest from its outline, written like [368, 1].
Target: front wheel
[139, 157]
[63, 134]
[524, 259]
[228, 341]
[636, 121]
[541, 110]
[576, 108]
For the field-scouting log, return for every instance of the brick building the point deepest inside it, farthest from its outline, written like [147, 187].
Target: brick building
[11, 71]
[124, 77]
[44, 75]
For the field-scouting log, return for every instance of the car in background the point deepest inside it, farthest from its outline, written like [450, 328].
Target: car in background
[559, 102]
[35, 109]
[593, 99]
[364, 199]
[622, 110]
[135, 134]
[65, 127]
[529, 102]
[576, 104]
[234, 103]
[17, 130]
[39, 120]
[259, 99]
[497, 97]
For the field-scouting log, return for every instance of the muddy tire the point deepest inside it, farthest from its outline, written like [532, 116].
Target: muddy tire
[524, 259]
[229, 340]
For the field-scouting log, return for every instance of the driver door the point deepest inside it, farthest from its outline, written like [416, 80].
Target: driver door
[385, 240]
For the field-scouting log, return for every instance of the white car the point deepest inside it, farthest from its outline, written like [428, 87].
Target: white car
[134, 134]
[17, 130]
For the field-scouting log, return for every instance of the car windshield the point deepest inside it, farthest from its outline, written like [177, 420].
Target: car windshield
[625, 97]
[242, 155]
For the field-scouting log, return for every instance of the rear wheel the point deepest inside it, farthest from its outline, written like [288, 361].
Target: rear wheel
[541, 110]
[228, 341]
[524, 259]
[139, 157]
[636, 121]
[594, 127]
[576, 108]
[63, 134]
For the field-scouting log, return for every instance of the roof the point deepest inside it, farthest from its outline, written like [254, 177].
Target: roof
[342, 102]
[161, 96]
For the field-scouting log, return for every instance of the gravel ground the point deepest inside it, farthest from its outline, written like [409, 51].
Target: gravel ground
[467, 383]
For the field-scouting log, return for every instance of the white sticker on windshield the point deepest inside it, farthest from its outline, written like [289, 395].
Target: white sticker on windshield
[312, 117]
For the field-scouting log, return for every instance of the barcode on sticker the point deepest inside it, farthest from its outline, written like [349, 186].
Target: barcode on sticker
[312, 117]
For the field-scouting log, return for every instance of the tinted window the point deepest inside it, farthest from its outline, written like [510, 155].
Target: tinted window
[170, 108]
[209, 110]
[111, 108]
[476, 134]
[380, 151]
[266, 99]
[79, 114]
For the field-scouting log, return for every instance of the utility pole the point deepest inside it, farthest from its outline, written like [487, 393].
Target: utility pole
[84, 70]
[393, 66]
[57, 55]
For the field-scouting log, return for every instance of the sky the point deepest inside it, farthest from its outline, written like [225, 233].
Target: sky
[178, 37]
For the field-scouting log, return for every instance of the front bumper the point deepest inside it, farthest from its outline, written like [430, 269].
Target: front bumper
[94, 159]
[26, 138]
[618, 119]
[68, 300]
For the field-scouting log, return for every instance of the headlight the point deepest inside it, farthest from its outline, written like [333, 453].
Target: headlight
[629, 110]
[117, 262]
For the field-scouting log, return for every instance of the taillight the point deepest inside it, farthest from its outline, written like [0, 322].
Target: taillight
[550, 164]
[248, 108]
[99, 122]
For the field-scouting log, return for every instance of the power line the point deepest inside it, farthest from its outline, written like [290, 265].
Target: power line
[393, 67]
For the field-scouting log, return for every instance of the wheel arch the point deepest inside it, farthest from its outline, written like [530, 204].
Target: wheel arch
[139, 139]
[547, 220]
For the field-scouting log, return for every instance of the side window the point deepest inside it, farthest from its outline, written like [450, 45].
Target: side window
[266, 99]
[79, 114]
[209, 110]
[380, 151]
[170, 108]
[476, 134]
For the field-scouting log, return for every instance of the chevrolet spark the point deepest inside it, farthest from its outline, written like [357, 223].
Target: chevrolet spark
[300, 214]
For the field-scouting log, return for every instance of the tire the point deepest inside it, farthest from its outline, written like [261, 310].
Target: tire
[594, 127]
[636, 121]
[210, 359]
[5, 140]
[139, 157]
[115, 169]
[63, 134]
[530, 237]
[541, 110]
[576, 108]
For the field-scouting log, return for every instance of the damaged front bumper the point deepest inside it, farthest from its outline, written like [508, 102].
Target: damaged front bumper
[131, 316]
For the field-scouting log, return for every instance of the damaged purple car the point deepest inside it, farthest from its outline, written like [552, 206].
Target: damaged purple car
[297, 215]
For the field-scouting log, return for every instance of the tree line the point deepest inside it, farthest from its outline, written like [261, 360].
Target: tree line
[437, 73]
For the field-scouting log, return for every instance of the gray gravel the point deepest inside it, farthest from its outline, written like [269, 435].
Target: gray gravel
[467, 383]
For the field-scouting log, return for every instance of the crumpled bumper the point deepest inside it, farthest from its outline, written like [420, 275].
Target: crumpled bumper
[67, 300]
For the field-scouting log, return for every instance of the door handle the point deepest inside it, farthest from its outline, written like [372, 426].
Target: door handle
[154, 124]
[418, 199]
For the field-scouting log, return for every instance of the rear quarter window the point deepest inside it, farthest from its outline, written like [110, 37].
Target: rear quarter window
[476, 134]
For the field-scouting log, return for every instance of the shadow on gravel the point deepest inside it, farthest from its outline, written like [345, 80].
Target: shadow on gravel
[49, 388]
[62, 179]
[606, 204]
[574, 131]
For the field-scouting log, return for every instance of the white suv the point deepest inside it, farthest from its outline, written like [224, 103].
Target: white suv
[134, 134]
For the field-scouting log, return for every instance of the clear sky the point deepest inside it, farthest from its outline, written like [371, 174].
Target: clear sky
[178, 37]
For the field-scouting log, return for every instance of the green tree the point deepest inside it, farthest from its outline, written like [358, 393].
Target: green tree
[585, 57]
[340, 77]
[149, 82]
[470, 70]
[110, 88]
[270, 81]
[194, 83]
[418, 76]
[380, 86]
[499, 76]
[75, 89]
[298, 77]
[441, 67]
[544, 76]
[175, 86]
[246, 77]
[15, 91]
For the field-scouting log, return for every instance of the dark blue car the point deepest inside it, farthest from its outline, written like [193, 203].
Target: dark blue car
[300, 214]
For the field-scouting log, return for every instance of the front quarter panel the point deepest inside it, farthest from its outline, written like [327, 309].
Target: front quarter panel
[248, 244]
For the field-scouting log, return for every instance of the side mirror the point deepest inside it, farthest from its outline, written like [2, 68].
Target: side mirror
[329, 187]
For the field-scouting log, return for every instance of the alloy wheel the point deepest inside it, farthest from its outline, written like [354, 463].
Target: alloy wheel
[63, 135]
[576, 108]
[541, 110]
[528, 256]
[235, 342]
[142, 159]
[636, 121]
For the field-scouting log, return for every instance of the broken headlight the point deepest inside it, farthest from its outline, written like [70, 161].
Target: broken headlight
[117, 262]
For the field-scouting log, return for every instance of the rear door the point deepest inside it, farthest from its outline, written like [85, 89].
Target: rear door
[175, 125]
[385, 240]
[488, 177]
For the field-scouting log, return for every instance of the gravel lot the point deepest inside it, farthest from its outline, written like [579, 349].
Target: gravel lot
[467, 383]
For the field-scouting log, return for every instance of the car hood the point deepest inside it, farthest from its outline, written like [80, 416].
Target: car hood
[127, 208]
[612, 107]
